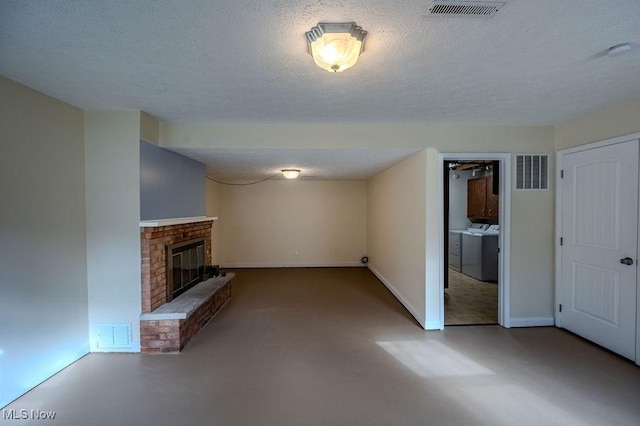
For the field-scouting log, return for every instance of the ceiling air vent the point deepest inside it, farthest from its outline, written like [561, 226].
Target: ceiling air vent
[464, 8]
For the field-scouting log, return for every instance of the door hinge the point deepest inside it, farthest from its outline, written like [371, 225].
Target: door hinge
[561, 174]
[561, 240]
[560, 308]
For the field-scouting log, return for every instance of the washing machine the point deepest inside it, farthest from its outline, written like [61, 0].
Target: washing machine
[455, 250]
[480, 252]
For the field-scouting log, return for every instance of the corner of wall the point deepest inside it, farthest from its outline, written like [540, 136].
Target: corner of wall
[213, 205]
[398, 295]
[149, 129]
[433, 260]
[112, 189]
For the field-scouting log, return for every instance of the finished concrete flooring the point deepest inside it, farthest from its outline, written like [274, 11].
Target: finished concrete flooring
[333, 347]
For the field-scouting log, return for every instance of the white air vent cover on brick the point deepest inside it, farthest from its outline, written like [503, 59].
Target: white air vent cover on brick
[532, 172]
[114, 336]
[464, 8]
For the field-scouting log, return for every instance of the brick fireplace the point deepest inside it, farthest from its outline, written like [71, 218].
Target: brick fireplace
[167, 325]
[154, 241]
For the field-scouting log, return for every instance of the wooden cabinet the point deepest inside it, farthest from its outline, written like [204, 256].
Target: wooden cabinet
[476, 197]
[493, 201]
[481, 202]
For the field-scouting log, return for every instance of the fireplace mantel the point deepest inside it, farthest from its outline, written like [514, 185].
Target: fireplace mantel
[175, 221]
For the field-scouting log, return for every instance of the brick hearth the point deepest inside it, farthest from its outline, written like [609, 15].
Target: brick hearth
[169, 328]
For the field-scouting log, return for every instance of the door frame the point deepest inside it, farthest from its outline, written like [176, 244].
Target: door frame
[558, 279]
[504, 239]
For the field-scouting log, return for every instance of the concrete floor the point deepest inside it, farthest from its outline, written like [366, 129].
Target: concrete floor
[333, 347]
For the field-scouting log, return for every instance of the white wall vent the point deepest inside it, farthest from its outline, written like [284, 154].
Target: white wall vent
[464, 8]
[114, 336]
[532, 172]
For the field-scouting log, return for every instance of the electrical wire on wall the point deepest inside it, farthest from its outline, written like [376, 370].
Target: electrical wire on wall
[241, 184]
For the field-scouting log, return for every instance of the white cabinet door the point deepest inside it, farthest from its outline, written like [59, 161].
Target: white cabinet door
[599, 229]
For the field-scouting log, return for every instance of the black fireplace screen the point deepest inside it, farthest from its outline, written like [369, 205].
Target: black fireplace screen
[185, 266]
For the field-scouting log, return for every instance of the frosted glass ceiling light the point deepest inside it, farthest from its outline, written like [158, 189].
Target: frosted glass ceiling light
[336, 47]
[619, 49]
[290, 173]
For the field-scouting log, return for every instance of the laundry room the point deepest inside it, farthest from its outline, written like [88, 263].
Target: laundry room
[471, 289]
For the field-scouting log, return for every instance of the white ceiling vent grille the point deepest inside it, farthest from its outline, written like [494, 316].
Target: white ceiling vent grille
[532, 172]
[464, 8]
[114, 336]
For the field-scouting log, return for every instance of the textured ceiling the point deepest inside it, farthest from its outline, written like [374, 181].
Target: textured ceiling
[536, 62]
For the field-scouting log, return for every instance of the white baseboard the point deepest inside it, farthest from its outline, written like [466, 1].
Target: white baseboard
[433, 325]
[293, 265]
[532, 322]
[402, 300]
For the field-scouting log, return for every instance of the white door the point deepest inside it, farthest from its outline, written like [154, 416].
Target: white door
[600, 230]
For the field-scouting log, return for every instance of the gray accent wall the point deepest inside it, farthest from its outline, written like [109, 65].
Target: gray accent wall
[171, 185]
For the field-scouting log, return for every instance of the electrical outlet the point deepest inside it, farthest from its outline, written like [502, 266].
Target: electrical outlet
[295, 252]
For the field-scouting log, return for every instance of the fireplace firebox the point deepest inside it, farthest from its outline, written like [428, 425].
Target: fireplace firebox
[185, 266]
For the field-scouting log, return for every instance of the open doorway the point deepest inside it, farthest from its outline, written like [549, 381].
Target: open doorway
[474, 239]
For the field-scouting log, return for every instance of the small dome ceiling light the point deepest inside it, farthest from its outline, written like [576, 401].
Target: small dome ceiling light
[336, 47]
[290, 173]
[619, 49]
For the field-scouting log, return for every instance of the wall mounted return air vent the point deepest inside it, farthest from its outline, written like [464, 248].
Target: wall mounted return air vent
[114, 336]
[532, 172]
[464, 8]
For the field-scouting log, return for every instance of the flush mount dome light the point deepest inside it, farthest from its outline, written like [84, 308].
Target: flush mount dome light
[619, 49]
[290, 173]
[336, 47]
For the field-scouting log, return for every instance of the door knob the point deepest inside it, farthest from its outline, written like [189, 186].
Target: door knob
[626, 261]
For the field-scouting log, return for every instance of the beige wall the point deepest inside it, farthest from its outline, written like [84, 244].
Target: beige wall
[213, 204]
[617, 121]
[396, 231]
[263, 225]
[112, 159]
[532, 255]
[43, 274]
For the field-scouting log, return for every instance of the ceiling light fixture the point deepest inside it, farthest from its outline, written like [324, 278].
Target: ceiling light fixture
[336, 47]
[290, 173]
[619, 49]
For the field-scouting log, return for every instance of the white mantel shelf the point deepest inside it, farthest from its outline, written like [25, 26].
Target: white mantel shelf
[176, 221]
